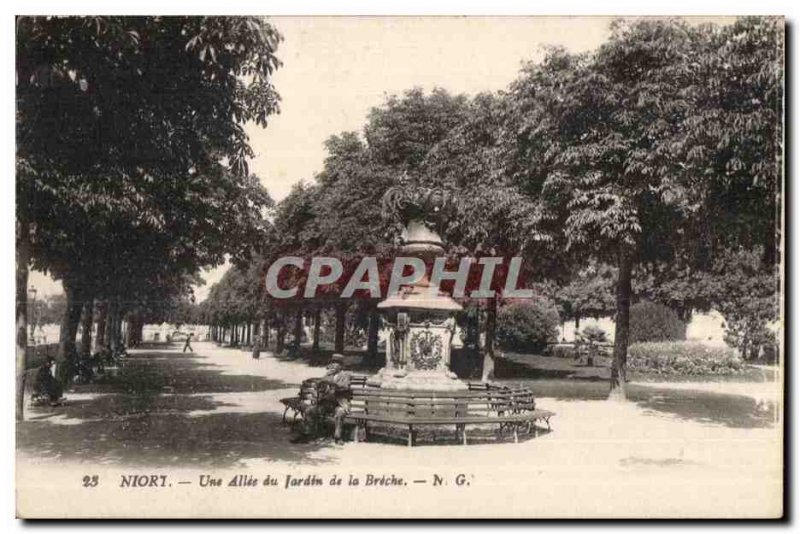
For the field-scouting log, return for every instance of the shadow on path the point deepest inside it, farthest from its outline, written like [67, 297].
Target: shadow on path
[142, 416]
[733, 411]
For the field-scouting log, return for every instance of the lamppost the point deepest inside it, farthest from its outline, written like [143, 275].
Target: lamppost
[31, 320]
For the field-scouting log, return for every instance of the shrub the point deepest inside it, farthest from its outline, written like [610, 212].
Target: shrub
[655, 322]
[593, 334]
[683, 358]
[527, 326]
[588, 342]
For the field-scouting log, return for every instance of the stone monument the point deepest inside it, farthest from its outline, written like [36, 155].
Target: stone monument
[421, 323]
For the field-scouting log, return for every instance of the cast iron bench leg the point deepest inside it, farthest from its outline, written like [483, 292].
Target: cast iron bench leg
[283, 419]
[354, 433]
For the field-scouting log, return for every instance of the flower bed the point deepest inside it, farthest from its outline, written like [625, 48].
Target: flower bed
[683, 358]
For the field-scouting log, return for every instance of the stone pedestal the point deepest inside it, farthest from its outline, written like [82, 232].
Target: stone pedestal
[421, 325]
[418, 350]
[421, 321]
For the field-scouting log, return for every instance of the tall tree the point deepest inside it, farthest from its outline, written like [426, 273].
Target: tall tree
[122, 125]
[493, 215]
[609, 142]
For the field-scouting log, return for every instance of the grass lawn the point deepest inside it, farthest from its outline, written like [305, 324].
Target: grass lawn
[517, 365]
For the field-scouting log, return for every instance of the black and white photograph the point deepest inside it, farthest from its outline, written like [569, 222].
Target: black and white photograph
[399, 267]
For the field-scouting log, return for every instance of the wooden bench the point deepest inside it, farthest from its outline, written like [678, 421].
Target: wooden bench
[509, 408]
[307, 397]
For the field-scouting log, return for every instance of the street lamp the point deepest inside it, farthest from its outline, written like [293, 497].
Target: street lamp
[32, 295]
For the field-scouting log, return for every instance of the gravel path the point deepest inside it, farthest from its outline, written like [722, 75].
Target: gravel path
[676, 450]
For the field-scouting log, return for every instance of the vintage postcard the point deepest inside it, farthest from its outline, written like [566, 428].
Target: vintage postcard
[399, 267]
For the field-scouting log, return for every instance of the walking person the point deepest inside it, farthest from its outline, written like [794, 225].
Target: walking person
[187, 345]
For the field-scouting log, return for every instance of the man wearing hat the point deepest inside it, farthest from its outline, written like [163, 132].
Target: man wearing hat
[46, 386]
[333, 398]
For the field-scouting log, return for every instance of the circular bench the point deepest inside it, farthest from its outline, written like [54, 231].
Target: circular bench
[511, 409]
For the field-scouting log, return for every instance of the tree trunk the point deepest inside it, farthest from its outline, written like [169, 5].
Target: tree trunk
[488, 344]
[488, 367]
[23, 258]
[298, 329]
[249, 339]
[69, 322]
[619, 362]
[341, 317]
[280, 336]
[577, 325]
[102, 318]
[317, 319]
[112, 328]
[129, 331]
[123, 331]
[477, 338]
[265, 330]
[86, 327]
[139, 330]
[106, 339]
[372, 337]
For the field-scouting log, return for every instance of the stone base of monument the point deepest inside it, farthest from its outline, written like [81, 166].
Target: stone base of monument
[391, 379]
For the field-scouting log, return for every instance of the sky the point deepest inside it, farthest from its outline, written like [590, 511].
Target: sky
[335, 69]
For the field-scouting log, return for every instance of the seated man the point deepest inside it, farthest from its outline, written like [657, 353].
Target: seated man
[98, 362]
[46, 385]
[85, 369]
[333, 399]
[119, 352]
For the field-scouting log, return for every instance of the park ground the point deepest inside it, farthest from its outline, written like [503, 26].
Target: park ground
[704, 449]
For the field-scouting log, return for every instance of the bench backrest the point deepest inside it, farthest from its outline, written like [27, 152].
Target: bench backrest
[422, 404]
[358, 381]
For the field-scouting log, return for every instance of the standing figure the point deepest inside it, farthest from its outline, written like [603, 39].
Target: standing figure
[257, 347]
[187, 345]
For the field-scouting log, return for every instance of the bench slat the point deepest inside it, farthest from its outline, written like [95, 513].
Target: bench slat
[533, 416]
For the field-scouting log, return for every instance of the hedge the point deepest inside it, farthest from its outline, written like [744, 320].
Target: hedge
[651, 321]
[527, 326]
[683, 359]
